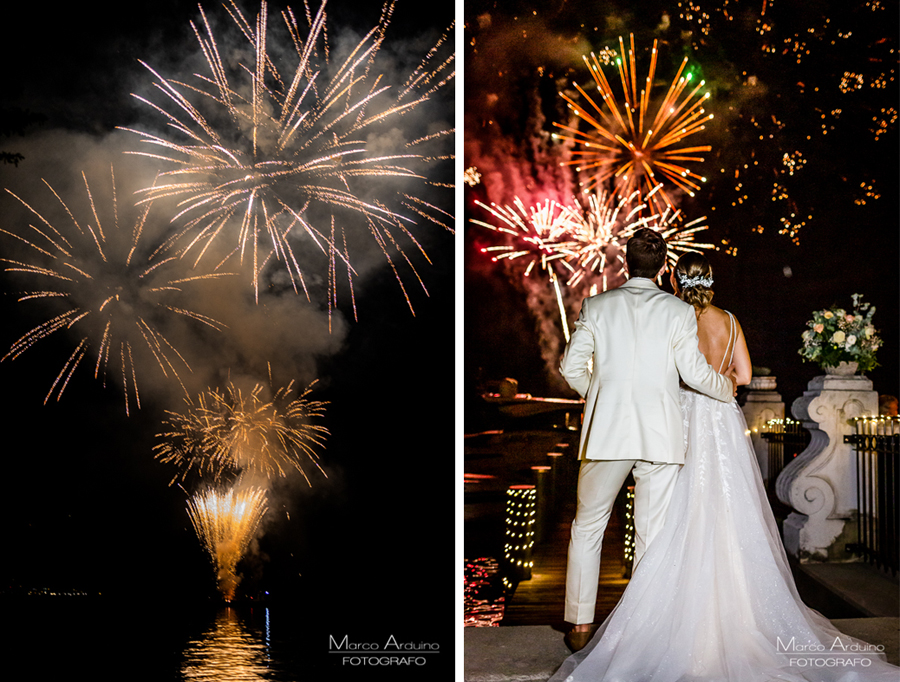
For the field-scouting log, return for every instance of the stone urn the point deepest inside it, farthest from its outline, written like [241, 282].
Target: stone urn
[762, 383]
[845, 369]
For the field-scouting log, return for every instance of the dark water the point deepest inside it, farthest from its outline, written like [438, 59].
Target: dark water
[85, 638]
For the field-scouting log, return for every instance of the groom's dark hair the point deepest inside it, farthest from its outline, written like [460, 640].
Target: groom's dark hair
[645, 253]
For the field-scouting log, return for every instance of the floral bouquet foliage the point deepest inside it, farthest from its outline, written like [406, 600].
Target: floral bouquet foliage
[835, 335]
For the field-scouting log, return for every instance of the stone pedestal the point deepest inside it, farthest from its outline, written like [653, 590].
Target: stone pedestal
[762, 404]
[820, 483]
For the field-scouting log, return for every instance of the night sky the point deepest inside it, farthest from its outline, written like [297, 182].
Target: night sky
[784, 79]
[365, 551]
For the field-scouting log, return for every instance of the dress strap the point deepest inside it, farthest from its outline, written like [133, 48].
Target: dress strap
[731, 340]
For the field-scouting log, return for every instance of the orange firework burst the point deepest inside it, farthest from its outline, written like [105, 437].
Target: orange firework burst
[293, 150]
[100, 283]
[631, 145]
[225, 522]
[237, 430]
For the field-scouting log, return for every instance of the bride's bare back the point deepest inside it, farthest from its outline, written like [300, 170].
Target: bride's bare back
[718, 335]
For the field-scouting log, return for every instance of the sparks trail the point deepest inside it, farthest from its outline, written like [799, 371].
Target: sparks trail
[226, 521]
[98, 283]
[222, 432]
[632, 145]
[259, 154]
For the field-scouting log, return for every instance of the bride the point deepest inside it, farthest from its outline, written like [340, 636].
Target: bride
[713, 598]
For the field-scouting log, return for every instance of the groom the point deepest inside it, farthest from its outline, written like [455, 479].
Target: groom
[641, 339]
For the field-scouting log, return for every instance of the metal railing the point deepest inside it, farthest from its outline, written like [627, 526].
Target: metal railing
[877, 445]
[786, 438]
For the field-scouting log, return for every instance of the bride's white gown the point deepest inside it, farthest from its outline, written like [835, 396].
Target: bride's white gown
[713, 598]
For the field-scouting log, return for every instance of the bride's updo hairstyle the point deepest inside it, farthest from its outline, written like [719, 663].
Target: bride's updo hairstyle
[694, 277]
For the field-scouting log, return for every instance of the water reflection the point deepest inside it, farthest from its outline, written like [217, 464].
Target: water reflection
[229, 650]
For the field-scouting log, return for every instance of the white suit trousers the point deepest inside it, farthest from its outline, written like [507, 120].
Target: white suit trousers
[599, 482]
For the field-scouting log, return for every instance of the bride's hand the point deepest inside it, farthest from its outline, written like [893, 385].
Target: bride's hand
[731, 373]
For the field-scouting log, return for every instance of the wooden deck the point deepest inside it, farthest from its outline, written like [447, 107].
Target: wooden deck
[497, 459]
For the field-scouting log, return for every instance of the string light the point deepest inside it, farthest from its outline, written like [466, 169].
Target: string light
[629, 529]
[521, 512]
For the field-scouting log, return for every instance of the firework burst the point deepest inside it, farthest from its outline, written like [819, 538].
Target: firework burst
[579, 248]
[630, 145]
[225, 522]
[237, 430]
[584, 241]
[597, 240]
[102, 287]
[596, 244]
[536, 235]
[282, 153]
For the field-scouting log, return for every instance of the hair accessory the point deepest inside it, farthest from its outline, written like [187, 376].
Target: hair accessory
[688, 282]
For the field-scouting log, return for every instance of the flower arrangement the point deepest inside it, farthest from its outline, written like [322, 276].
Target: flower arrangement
[835, 335]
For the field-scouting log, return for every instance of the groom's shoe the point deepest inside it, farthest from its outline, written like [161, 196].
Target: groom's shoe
[576, 641]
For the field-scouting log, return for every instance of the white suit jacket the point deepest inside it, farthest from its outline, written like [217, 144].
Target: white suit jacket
[641, 339]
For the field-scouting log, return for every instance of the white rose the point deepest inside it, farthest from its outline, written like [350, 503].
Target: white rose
[851, 340]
